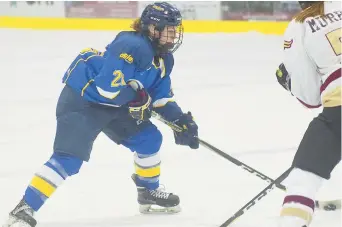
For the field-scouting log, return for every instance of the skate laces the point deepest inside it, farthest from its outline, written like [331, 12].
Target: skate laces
[160, 192]
[24, 208]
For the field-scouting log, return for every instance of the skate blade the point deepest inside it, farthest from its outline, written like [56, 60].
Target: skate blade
[11, 220]
[155, 209]
[14, 222]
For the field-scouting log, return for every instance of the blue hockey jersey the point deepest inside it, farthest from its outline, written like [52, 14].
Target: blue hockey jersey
[103, 77]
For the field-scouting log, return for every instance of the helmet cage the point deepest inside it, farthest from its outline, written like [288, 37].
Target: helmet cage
[167, 25]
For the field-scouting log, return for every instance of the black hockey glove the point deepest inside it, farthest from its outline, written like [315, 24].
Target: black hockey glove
[189, 134]
[283, 77]
[141, 108]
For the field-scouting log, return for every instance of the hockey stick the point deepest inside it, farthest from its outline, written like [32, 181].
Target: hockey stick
[326, 205]
[221, 153]
[258, 197]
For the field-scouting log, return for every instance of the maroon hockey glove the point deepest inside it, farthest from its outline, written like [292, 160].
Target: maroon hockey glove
[140, 108]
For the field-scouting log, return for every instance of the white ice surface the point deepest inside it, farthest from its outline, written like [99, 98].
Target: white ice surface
[226, 80]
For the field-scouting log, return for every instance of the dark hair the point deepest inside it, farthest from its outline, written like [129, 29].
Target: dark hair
[316, 9]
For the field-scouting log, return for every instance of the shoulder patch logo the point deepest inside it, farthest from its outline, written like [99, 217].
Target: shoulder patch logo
[128, 58]
[288, 44]
[158, 8]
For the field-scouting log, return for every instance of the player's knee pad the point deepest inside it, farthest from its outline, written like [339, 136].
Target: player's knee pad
[146, 142]
[65, 164]
[301, 182]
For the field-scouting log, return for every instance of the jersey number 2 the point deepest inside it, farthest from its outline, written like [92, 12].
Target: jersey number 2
[119, 79]
[334, 38]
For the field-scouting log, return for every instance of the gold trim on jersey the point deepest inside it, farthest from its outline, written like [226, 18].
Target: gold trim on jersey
[79, 60]
[288, 44]
[332, 98]
[85, 86]
[161, 67]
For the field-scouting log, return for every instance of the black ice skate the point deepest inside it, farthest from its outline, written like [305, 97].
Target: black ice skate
[156, 201]
[21, 216]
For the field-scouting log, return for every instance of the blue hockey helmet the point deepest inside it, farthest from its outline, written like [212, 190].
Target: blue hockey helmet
[166, 19]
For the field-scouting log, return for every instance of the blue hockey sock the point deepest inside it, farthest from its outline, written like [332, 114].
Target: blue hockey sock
[49, 177]
[147, 167]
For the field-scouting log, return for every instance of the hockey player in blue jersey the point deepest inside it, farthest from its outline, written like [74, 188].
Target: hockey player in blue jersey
[114, 92]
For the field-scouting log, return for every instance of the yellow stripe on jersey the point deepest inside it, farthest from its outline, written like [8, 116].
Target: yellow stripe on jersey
[85, 86]
[297, 212]
[42, 186]
[161, 67]
[148, 172]
[75, 65]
